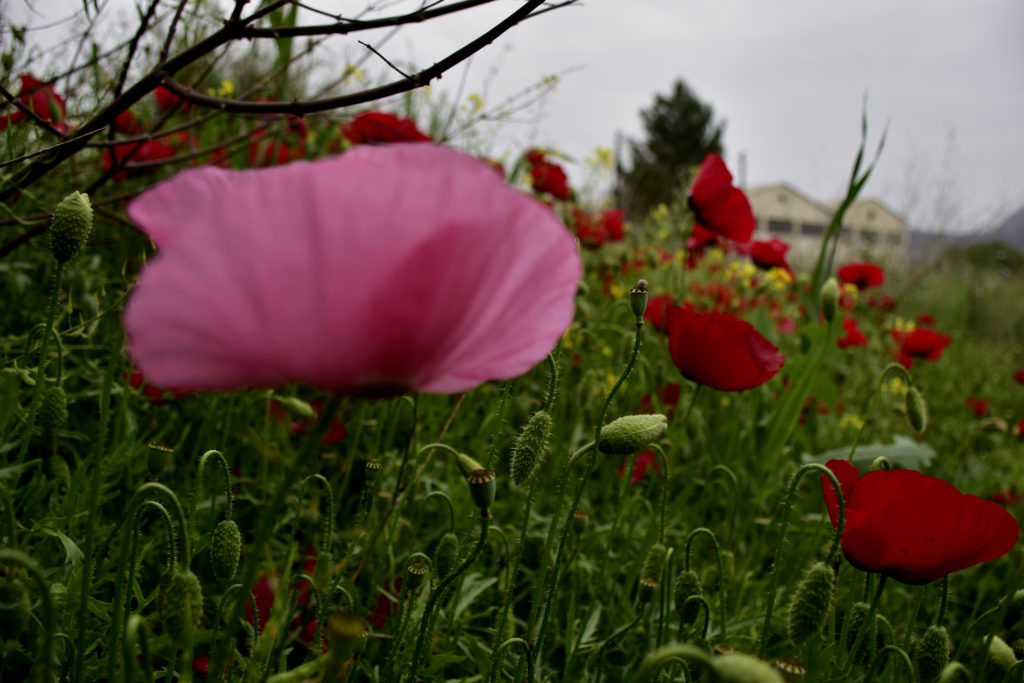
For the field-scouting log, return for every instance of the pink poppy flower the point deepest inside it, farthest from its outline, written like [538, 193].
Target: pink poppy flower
[387, 269]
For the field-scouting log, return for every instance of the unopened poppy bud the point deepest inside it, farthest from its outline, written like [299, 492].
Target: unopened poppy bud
[917, 410]
[53, 411]
[182, 606]
[638, 299]
[225, 549]
[632, 433]
[687, 585]
[15, 608]
[347, 633]
[654, 562]
[297, 407]
[931, 653]
[531, 447]
[880, 463]
[830, 298]
[157, 458]
[740, 668]
[415, 573]
[72, 223]
[446, 553]
[811, 603]
[57, 468]
[483, 486]
[999, 658]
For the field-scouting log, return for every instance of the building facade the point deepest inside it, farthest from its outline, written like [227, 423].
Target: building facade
[871, 231]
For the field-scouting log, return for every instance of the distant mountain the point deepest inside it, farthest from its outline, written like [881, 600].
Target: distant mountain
[1011, 231]
[926, 245]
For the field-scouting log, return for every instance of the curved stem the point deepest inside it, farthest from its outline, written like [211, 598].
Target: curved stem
[448, 502]
[732, 483]
[663, 656]
[549, 399]
[225, 472]
[951, 671]
[439, 591]
[44, 658]
[136, 629]
[329, 520]
[837, 537]
[527, 651]
[33, 407]
[638, 340]
[898, 653]
[703, 603]
[721, 574]
[890, 369]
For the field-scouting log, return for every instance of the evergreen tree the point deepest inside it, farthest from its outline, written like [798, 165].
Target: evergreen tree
[680, 132]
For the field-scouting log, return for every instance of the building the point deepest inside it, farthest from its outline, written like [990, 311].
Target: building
[871, 231]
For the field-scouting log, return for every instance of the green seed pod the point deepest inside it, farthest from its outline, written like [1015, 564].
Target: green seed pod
[646, 591]
[323, 575]
[416, 573]
[53, 410]
[858, 614]
[830, 298]
[687, 584]
[72, 223]
[157, 458]
[372, 470]
[638, 299]
[931, 653]
[740, 668]
[182, 604]
[917, 410]
[811, 603]
[531, 447]
[225, 550]
[15, 608]
[632, 433]
[445, 555]
[482, 487]
[57, 468]
[654, 562]
[999, 658]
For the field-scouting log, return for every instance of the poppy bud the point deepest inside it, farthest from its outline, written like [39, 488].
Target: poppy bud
[157, 458]
[931, 653]
[297, 407]
[654, 562]
[225, 549]
[182, 606]
[71, 225]
[638, 299]
[446, 553]
[53, 411]
[811, 603]
[917, 410]
[632, 433]
[482, 487]
[531, 447]
[687, 585]
[415, 574]
[740, 668]
[57, 468]
[347, 633]
[15, 608]
[858, 615]
[999, 658]
[830, 298]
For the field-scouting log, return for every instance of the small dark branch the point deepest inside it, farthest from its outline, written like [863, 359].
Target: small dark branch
[39, 121]
[384, 59]
[166, 49]
[237, 14]
[11, 245]
[133, 45]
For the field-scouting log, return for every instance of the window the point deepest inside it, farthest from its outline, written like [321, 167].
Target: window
[893, 238]
[780, 227]
[812, 229]
[869, 236]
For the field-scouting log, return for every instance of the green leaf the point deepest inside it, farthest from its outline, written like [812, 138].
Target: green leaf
[73, 555]
[903, 452]
[472, 587]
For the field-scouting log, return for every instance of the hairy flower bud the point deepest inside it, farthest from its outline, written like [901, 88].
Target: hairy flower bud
[53, 411]
[931, 653]
[632, 433]
[740, 668]
[225, 549]
[830, 298]
[72, 223]
[917, 410]
[687, 585]
[811, 603]
[531, 447]
[999, 658]
[654, 562]
[182, 606]
[445, 555]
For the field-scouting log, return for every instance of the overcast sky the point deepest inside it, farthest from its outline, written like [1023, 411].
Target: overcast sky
[787, 77]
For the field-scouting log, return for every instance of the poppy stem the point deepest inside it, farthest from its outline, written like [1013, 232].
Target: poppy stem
[783, 526]
[867, 627]
[896, 652]
[514, 573]
[890, 369]
[44, 657]
[721, 574]
[734, 503]
[943, 600]
[664, 490]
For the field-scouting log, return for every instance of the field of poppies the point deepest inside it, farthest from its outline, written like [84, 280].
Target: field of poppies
[333, 400]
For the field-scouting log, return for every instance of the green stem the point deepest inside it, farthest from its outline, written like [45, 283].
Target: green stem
[328, 530]
[700, 600]
[664, 490]
[945, 598]
[439, 591]
[890, 369]
[734, 502]
[638, 340]
[784, 525]
[614, 637]
[44, 345]
[448, 502]
[500, 420]
[721, 574]
[492, 676]
[136, 630]
[951, 671]
[44, 658]
[514, 574]
[867, 627]
[225, 473]
[879, 659]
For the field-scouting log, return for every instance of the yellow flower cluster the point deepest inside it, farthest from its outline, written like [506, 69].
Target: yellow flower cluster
[902, 325]
[851, 422]
[895, 386]
[476, 103]
[660, 212]
[778, 278]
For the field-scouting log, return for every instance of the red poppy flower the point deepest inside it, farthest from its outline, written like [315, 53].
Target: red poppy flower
[154, 393]
[42, 100]
[861, 274]
[720, 350]
[770, 254]
[920, 343]
[854, 337]
[167, 100]
[926, 319]
[883, 302]
[589, 228]
[264, 151]
[127, 123]
[976, 405]
[912, 527]
[656, 307]
[669, 397]
[379, 126]
[785, 325]
[644, 462]
[551, 179]
[1019, 376]
[717, 204]
[151, 150]
[613, 220]
[1018, 429]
